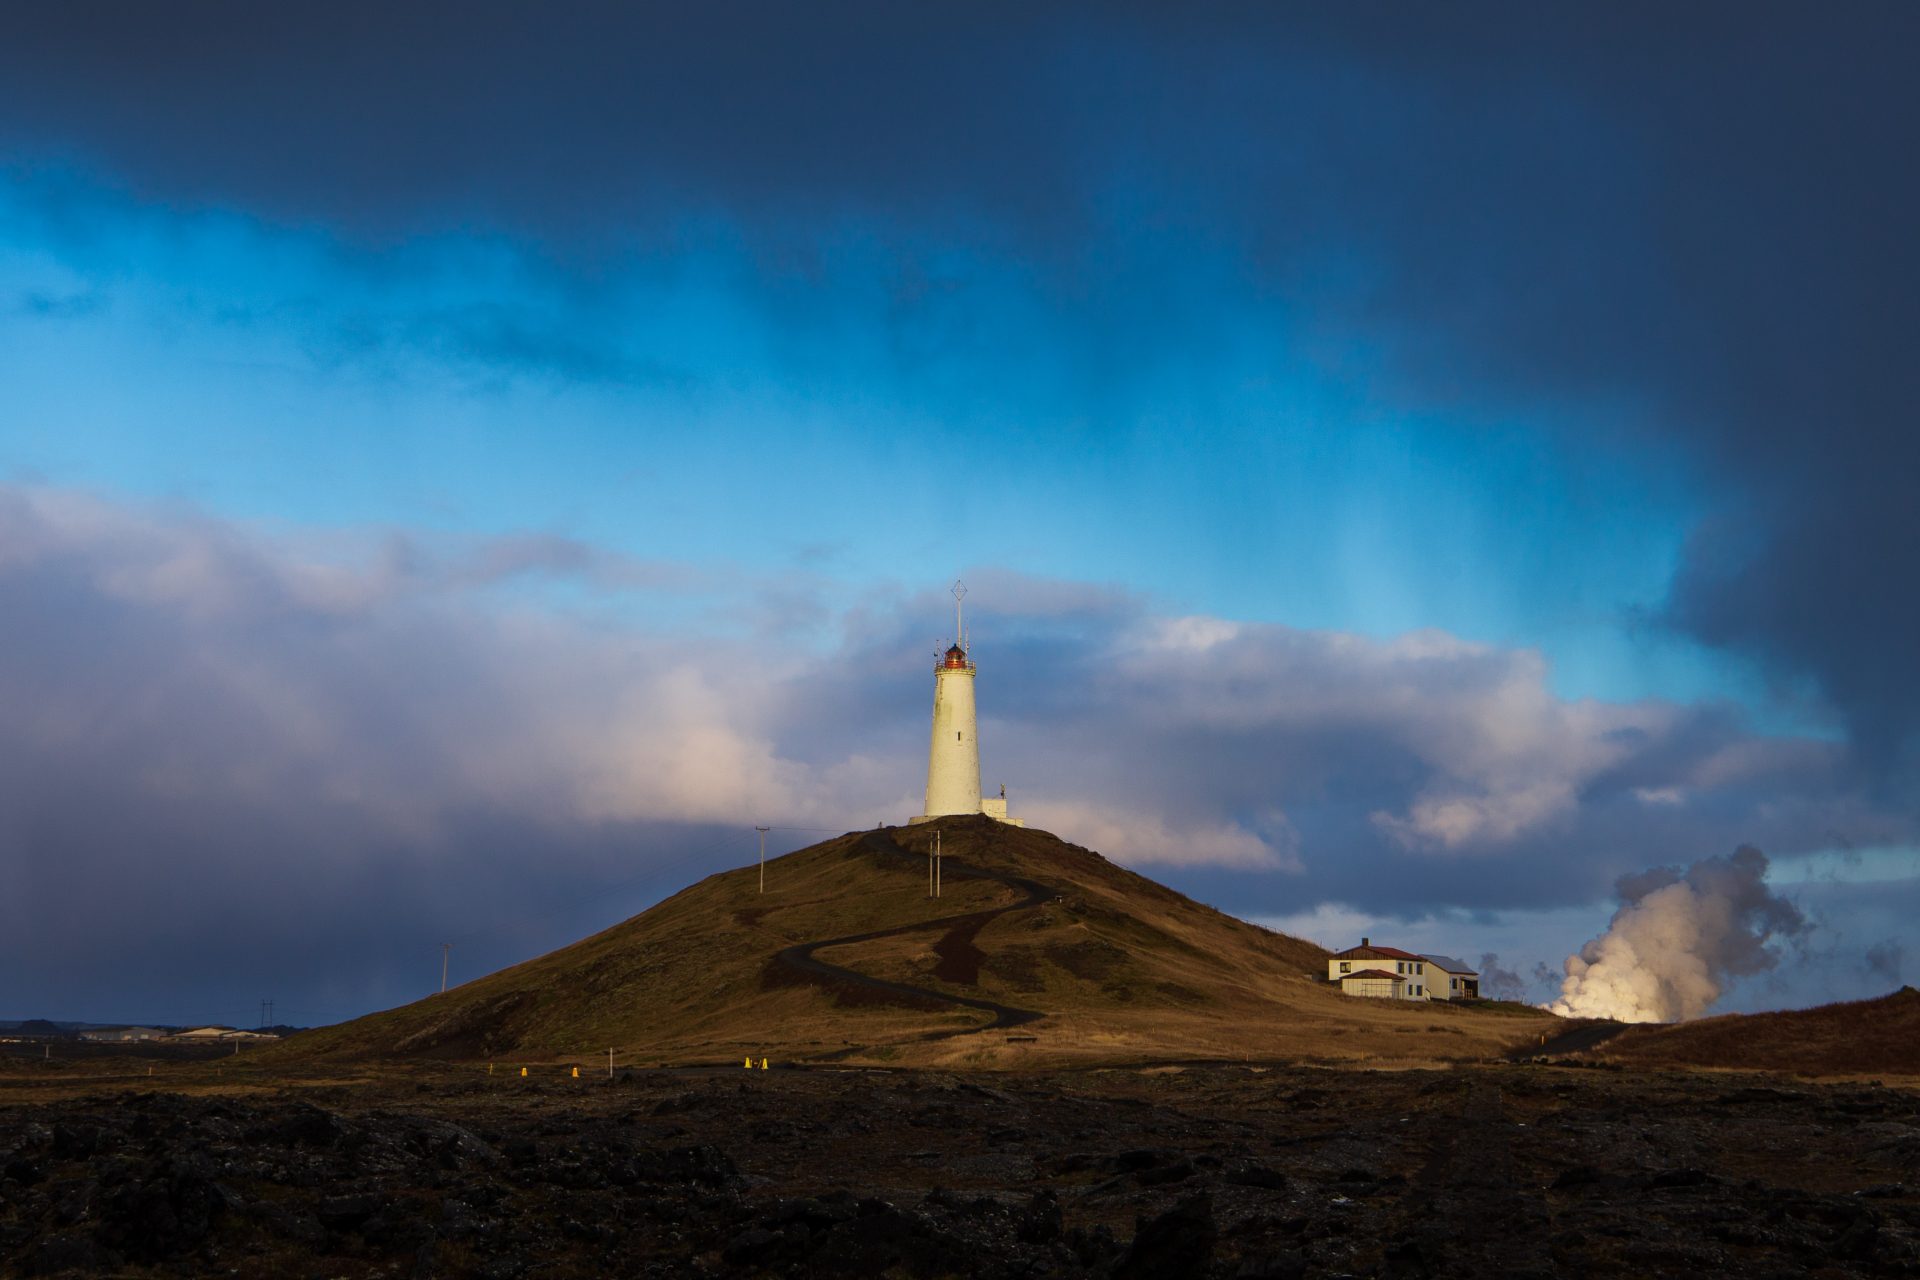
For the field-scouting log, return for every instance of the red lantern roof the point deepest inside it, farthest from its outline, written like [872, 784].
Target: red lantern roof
[956, 658]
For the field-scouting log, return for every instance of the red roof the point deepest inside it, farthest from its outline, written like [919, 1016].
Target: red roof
[1374, 973]
[1374, 953]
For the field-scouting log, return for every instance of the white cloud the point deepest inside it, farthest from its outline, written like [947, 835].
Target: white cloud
[351, 709]
[1140, 838]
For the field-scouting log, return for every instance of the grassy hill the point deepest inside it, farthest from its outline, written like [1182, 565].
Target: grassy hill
[1116, 966]
[1856, 1037]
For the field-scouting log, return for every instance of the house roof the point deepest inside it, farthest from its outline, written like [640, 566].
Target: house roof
[1373, 973]
[1452, 966]
[1373, 952]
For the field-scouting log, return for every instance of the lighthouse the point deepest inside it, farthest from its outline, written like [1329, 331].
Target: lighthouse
[953, 752]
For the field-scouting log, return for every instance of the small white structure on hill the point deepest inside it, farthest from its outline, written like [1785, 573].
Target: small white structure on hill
[953, 755]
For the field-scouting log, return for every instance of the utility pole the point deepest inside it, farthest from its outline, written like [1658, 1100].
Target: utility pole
[763, 856]
[936, 863]
[445, 947]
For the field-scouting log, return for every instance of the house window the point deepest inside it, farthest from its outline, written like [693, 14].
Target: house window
[1400, 966]
[1346, 966]
[1419, 968]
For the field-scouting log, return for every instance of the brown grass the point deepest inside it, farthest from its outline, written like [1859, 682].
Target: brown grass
[1123, 968]
[1853, 1038]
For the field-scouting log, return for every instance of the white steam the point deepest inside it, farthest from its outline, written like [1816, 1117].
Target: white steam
[1678, 939]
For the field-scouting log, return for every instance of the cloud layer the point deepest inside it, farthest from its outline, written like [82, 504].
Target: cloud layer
[305, 758]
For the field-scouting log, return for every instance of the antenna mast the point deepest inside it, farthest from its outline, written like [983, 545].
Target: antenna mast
[959, 613]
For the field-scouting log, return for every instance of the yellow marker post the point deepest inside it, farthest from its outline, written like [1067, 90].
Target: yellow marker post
[576, 1073]
[748, 1064]
[763, 1064]
[523, 1072]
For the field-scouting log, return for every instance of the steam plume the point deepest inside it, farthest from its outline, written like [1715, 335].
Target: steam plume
[1677, 939]
[1499, 982]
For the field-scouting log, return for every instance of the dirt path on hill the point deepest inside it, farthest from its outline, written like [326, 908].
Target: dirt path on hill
[1573, 1040]
[956, 941]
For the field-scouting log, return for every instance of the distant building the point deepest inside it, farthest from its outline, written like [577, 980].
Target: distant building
[1451, 979]
[114, 1035]
[1409, 969]
[218, 1035]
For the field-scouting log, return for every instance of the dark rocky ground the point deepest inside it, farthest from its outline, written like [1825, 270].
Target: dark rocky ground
[1214, 1171]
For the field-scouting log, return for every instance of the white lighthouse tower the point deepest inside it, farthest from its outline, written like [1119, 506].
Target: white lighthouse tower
[953, 754]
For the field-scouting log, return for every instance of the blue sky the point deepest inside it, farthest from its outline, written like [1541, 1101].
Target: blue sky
[276, 374]
[1528, 391]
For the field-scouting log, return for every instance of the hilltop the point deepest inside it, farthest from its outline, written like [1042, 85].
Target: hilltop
[1037, 951]
[1850, 1038]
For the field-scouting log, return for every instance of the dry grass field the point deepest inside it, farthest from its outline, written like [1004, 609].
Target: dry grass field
[1118, 967]
[1858, 1037]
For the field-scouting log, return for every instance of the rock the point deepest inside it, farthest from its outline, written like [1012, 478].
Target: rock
[754, 1247]
[164, 1214]
[68, 1252]
[1133, 1161]
[1177, 1242]
[703, 1165]
[817, 1214]
[1248, 1173]
[75, 1141]
[345, 1213]
[1579, 1175]
[1040, 1221]
[1163, 1175]
[1287, 1264]
[1092, 1247]
[1405, 1260]
[305, 1125]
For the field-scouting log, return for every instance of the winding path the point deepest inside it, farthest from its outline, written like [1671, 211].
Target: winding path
[1573, 1040]
[800, 959]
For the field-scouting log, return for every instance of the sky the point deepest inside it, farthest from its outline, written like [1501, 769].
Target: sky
[463, 467]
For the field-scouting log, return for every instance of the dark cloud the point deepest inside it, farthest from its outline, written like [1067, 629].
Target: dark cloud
[1682, 232]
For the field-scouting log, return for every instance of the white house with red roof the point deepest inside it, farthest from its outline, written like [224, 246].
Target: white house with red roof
[1383, 973]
